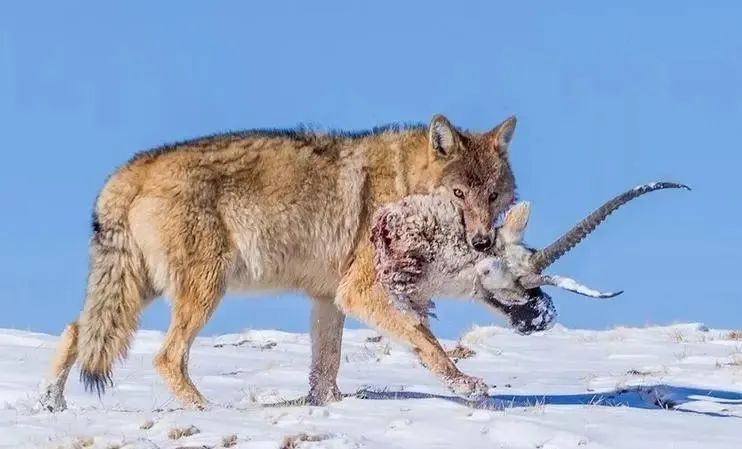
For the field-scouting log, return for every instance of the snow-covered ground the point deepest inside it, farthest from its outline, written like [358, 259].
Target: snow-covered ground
[663, 387]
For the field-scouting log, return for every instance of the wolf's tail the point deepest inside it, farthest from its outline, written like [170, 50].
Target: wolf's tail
[116, 289]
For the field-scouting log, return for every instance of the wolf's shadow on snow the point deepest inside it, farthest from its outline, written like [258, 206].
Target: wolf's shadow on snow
[662, 396]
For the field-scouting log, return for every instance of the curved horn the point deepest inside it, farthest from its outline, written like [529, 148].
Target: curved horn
[547, 256]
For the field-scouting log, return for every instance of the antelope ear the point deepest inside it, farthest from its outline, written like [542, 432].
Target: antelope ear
[515, 222]
[501, 134]
[442, 136]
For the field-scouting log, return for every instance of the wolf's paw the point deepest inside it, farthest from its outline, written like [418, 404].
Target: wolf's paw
[323, 396]
[468, 386]
[51, 399]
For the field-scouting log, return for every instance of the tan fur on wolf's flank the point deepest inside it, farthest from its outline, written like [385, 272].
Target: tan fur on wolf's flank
[267, 210]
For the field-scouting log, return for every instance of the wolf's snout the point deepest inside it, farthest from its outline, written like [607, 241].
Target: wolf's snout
[481, 242]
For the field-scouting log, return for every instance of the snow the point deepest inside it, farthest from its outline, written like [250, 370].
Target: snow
[563, 388]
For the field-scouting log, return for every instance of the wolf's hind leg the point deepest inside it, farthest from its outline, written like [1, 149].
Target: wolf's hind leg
[200, 260]
[191, 310]
[327, 334]
[52, 394]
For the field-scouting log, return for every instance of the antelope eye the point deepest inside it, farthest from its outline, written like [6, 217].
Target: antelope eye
[493, 196]
[458, 193]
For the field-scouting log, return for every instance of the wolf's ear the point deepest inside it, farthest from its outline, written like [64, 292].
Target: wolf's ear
[515, 222]
[501, 134]
[442, 136]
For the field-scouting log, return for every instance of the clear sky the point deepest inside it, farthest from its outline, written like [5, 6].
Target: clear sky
[607, 96]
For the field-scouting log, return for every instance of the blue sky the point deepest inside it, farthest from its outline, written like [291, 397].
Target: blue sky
[607, 96]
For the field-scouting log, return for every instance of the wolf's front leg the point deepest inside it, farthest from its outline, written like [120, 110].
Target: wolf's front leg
[360, 297]
[327, 334]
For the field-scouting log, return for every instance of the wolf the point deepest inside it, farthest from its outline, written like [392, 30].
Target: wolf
[266, 210]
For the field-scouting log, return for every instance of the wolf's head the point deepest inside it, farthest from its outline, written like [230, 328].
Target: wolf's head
[473, 170]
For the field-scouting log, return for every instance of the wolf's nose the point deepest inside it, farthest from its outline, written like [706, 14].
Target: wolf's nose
[481, 242]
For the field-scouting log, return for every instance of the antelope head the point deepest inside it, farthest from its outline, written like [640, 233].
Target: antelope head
[523, 267]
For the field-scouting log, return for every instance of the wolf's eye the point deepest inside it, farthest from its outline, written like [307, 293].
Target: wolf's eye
[458, 193]
[493, 197]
